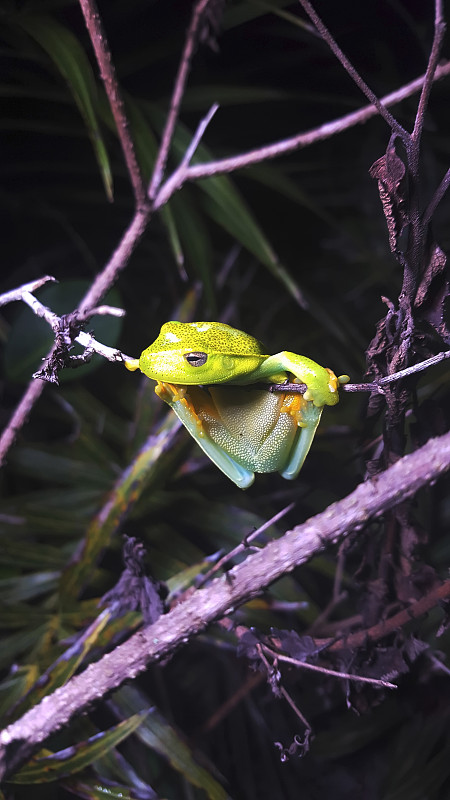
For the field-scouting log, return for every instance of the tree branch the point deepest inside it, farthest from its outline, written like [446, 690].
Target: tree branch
[177, 96]
[291, 144]
[243, 582]
[349, 68]
[20, 415]
[118, 260]
[108, 76]
[415, 610]
[439, 31]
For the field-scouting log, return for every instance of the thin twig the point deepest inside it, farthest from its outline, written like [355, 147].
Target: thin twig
[118, 260]
[293, 143]
[198, 135]
[182, 170]
[295, 707]
[349, 68]
[403, 373]
[273, 672]
[108, 76]
[40, 310]
[375, 386]
[334, 673]
[177, 96]
[100, 311]
[436, 596]
[17, 294]
[436, 199]
[439, 31]
[85, 339]
[36, 387]
[243, 546]
[20, 415]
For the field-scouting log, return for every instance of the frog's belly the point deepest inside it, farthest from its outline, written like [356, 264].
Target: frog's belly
[250, 426]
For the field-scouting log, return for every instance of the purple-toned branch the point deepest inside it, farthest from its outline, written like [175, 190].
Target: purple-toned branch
[295, 662]
[108, 75]
[177, 96]
[373, 386]
[20, 416]
[17, 294]
[171, 631]
[349, 68]
[439, 31]
[436, 199]
[291, 144]
[118, 260]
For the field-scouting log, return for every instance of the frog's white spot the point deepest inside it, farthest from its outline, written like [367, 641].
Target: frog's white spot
[203, 328]
[172, 337]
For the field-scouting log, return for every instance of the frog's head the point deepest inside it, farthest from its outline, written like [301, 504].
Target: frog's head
[195, 353]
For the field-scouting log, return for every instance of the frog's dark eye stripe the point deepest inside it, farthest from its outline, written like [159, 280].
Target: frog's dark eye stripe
[196, 359]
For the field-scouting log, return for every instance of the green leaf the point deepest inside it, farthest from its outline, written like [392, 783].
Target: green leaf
[92, 789]
[196, 242]
[15, 686]
[140, 474]
[21, 553]
[71, 61]
[146, 147]
[226, 207]
[64, 667]
[73, 759]
[223, 202]
[60, 469]
[27, 587]
[162, 737]
[18, 643]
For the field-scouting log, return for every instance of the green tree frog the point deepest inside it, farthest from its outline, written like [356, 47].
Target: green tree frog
[206, 371]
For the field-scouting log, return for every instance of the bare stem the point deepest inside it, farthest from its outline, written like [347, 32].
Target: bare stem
[332, 672]
[438, 594]
[295, 708]
[439, 31]
[177, 96]
[375, 386]
[198, 135]
[17, 294]
[243, 546]
[118, 260]
[20, 416]
[293, 143]
[108, 75]
[436, 199]
[349, 68]
[85, 339]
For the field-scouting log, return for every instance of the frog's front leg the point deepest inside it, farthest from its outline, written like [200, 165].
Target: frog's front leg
[322, 384]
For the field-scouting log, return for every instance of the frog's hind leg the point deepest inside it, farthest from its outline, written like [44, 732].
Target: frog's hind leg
[184, 403]
[310, 418]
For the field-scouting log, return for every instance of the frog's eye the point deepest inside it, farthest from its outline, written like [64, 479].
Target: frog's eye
[196, 359]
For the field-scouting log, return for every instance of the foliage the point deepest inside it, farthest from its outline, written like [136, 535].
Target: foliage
[100, 457]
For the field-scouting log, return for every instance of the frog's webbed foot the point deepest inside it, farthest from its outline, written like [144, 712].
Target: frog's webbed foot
[308, 417]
